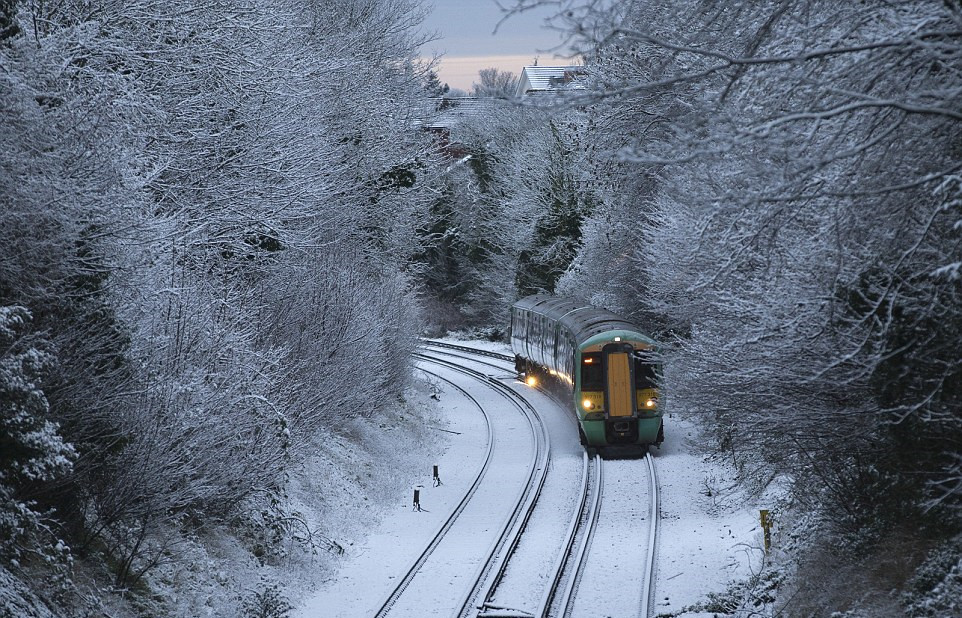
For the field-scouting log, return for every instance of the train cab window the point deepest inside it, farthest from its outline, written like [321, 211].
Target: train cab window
[592, 373]
[644, 371]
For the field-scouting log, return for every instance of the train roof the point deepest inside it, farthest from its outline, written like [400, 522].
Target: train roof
[583, 320]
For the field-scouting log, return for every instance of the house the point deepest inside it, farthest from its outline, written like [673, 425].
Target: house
[449, 113]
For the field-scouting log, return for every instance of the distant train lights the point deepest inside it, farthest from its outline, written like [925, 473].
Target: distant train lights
[587, 404]
[650, 403]
[531, 381]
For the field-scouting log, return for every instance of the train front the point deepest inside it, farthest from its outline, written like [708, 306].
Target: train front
[617, 392]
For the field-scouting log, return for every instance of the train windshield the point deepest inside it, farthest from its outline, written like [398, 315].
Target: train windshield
[592, 373]
[644, 371]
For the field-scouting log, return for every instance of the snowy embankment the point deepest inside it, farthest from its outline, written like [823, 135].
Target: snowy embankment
[18, 601]
[337, 495]
[368, 571]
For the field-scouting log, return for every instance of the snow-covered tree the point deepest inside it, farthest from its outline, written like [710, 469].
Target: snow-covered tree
[493, 82]
[509, 221]
[779, 180]
[780, 198]
[204, 204]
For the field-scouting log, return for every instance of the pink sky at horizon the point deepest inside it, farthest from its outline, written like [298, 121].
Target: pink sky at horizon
[468, 42]
[462, 71]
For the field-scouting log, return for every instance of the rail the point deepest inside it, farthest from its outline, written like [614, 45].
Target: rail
[648, 590]
[578, 558]
[464, 348]
[443, 530]
[499, 552]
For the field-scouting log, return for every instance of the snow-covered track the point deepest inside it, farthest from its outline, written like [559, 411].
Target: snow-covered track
[571, 560]
[568, 568]
[463, 348]
[443, 530]
[614, 551]
[492, 570]
[491, 566]
[476, 357]
[648, 592]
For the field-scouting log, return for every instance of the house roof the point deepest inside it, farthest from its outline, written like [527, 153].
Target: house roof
[539, 78]
[451, 111]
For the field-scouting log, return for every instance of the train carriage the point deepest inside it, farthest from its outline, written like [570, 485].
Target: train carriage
[608, 367]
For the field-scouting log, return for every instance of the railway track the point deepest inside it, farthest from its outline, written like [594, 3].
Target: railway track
[490, 565]
[570, 571]
[614, 546]
[406, 579]
[467, 349]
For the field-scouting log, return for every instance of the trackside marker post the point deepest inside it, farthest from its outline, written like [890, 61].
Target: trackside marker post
[767, 527]
[437, 476]
[417, 500]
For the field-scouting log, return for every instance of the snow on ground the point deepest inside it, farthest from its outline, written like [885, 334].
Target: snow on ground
[368, 572]
[18, 601]
[527, 576]
[709, 536]
[612, 577]
[480, 344]
[359, 479]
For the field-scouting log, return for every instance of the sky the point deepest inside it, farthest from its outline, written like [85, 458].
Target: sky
[469, 44]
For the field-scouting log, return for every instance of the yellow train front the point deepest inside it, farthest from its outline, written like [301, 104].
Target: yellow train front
[602, 361]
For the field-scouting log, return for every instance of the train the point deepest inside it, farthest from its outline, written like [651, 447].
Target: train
[609, 369]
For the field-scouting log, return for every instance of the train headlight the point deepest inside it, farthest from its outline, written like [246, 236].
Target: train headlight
[531, 381]
[651, 403]
[587, 404]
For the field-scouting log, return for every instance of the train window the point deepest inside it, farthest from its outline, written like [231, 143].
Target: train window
[592, 373]
[644, 371]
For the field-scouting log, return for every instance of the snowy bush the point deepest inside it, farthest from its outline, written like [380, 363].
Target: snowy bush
[936, 587]
[267, 603]
[31, 450]
[752, 597]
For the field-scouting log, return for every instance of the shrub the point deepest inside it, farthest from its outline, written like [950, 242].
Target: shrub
[31, 450]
